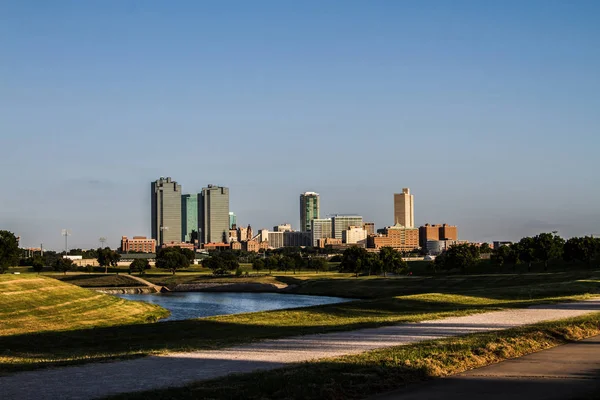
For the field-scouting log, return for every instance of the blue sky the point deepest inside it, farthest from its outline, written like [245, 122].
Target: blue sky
[488, 111]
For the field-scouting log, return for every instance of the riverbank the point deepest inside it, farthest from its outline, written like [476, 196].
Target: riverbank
[19, 352]
[242, 287]
[35, 305]
[127, 290]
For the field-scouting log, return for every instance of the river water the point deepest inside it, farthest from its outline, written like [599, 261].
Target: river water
[187, 305]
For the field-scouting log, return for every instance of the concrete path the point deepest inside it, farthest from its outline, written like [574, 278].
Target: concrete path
[178, 369]
[566, 372]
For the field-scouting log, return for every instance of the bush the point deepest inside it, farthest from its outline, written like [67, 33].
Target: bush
[238, 272]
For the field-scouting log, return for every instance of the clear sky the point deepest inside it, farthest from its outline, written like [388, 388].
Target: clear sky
[488, 110]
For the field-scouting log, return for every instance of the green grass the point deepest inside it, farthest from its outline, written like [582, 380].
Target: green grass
[377, 287]
[99, 280]
[29, 351]
[372, 287]
[276, 277]
[366, 374]
[30, 303]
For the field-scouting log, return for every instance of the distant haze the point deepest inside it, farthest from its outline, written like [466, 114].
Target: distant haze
[487, 111]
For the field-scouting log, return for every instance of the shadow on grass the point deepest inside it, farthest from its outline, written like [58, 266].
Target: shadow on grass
[385, 369]
[139, 339]
[492, 286]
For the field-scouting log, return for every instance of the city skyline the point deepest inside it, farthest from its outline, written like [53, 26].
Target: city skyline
[486, 110]
[330, 211]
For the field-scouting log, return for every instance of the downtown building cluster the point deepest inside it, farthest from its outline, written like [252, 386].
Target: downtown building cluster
[203, 221]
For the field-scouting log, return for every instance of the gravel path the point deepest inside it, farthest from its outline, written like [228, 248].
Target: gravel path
[178, 369]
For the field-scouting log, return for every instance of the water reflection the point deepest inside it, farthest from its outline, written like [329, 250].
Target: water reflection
[186, 305]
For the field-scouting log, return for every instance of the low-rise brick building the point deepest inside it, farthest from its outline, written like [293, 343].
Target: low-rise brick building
[397, 237]
[140, 244]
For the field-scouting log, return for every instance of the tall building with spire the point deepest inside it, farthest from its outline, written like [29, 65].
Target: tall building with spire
[309, 209]
[166, 211]
[404, 209]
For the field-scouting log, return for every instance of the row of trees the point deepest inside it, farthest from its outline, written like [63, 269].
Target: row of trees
[542, 248]
[546, 247]
[289, 262]
[359, 261]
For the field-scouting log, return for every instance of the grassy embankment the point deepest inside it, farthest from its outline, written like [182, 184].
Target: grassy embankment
[36, 305]
[366, 374]
[99, 280]
[459, 297]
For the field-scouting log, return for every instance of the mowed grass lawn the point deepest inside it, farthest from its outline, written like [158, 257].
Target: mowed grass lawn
[82, 345]
[30, 303]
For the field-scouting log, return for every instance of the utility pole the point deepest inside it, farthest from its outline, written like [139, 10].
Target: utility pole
[66, 233]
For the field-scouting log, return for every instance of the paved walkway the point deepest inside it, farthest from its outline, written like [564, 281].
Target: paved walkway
[566, 372]
[178, 369]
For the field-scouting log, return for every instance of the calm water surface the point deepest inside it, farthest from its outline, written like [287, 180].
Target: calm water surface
[187, 305]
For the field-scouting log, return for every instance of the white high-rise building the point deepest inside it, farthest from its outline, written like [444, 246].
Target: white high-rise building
[404, 209]
[354, 235]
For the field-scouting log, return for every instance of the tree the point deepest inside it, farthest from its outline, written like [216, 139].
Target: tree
[189, 254]
[172, 259]
[286, 263]
[258, 264]
[50, 257]
[91, 253]
[139, 265]
[373, 264]
[107, 257]
[525, 251]
[272, 262]
[63, 265]
[37, 264]
[391, 260]
[299, 262]
[548, 246]
[318, 264]
[581, 248]
[485, 248]
[459, 256]
[354, 259]
[504, 255]
[9, 250]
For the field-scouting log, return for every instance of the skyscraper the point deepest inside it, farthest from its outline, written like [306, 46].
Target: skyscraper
[320, 229]
[341, 222]
[232, 219]
[309, 209]
[189, 216]
[213, 214]
[404, 209]
[166, 211]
